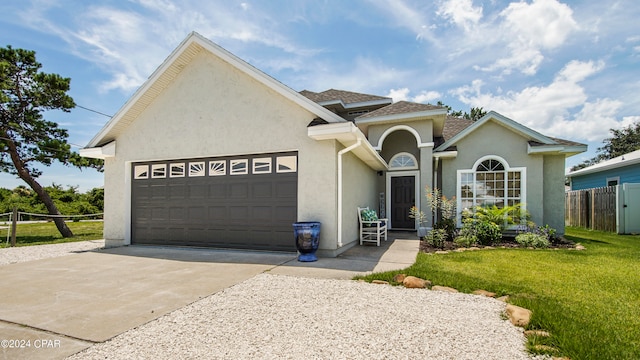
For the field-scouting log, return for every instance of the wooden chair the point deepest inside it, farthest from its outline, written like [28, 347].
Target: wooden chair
[372, 230]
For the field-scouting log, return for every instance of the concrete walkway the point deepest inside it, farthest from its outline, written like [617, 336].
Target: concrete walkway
[52, 308]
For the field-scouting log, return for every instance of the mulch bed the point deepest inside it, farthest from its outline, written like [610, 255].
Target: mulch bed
[507, 242]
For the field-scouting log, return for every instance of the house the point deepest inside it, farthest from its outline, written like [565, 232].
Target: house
[210, 151]
[617, 171]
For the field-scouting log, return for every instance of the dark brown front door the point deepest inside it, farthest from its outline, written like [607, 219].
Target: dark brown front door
[403, 197]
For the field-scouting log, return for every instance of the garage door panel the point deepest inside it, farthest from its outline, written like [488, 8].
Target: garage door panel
[209, 202]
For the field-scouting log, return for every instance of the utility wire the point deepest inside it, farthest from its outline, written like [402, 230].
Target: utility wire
[94, 111]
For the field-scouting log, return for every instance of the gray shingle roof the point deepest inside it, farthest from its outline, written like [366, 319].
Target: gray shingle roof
[453, 125]
[347, 97]
[400, 107]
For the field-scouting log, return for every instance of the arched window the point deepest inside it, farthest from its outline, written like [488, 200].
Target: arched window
[403, 161]
[491, 182]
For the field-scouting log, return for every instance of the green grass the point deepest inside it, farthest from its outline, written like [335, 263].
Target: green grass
[589, 300]
[47, 233]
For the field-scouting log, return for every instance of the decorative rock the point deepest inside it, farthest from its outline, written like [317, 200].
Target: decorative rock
[518, 316]
[539, 333]
[413, 282]
[580, 247]
[484, 293]
[460, 249]
[399, 278]
[380, 282]
[504, 298]
[442, 252]
[474, 248]
[444, 288]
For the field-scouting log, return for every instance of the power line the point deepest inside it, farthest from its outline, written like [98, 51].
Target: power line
[94, 111]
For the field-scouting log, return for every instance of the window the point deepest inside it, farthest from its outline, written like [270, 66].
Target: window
[613, 181]
[217, 168]
[403, 161]
[158, 171]
[177, 170]
[286, 164]
[262, 165]
[239, 167]
[141, 172]
[196, 169]
[491, 182]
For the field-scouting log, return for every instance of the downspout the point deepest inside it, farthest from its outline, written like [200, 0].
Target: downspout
[340, 153]
[435, 186]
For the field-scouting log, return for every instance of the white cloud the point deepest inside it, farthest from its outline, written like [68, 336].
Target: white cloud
[461, 13]
[402, 94]
[528, 29]
[407, 16]
[548, 108]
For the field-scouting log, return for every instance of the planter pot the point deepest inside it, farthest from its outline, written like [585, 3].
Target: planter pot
[423, 231]
[307, 237]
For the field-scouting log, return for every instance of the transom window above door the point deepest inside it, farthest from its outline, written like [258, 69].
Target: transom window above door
[403, 161]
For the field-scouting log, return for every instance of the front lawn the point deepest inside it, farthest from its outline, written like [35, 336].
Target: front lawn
[589, 300]
[47, 233]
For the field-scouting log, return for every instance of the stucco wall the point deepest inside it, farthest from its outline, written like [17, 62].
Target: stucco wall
[424, 128]
[359, 190]
[494, 139]
[554, 192]
[212, 109]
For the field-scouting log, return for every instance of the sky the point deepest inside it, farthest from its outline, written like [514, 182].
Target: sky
[566, 69]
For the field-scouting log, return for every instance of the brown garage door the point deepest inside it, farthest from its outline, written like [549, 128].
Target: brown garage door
[241, 202]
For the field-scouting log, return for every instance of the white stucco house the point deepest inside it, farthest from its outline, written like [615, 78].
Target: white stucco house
[211, 151]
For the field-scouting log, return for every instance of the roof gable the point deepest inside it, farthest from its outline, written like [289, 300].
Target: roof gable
[164, 75]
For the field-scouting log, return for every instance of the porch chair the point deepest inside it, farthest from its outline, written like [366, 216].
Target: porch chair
[371, 228]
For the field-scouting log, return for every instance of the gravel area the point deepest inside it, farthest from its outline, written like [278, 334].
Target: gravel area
[14, 255]
[283, 317]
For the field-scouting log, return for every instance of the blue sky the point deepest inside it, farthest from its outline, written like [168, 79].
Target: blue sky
[566, 69]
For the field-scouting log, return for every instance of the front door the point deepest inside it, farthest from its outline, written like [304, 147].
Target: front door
[403, 197]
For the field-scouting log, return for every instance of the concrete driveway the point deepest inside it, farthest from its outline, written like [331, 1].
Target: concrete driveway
[52, 308]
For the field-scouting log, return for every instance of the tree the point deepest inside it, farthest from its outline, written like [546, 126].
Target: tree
[26, 138]
[475, 112]
[621, 142]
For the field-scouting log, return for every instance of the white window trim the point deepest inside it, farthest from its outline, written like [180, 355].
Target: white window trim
[177, 165]
[613, 178]
[415, 161]
[507, 168]
[242, 171]
[156, 167]
[266, 162]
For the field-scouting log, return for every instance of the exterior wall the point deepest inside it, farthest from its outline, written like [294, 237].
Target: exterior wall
[212, 109]
[627, 174]
[358, 190]
[494, 139]
[553, 199]
[423, 127]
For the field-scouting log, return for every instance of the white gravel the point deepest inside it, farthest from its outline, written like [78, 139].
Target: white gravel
[14, 255]
[283, 317]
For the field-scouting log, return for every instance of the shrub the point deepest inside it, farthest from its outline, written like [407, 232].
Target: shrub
[436, 238]
[486, 232]
[530, 239]
[465, 240]
[449, 226]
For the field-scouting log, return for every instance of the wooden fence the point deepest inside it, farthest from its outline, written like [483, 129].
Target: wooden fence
[592, 208]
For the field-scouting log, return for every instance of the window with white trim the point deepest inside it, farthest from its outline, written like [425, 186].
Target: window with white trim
[403, 161]
[491, 182]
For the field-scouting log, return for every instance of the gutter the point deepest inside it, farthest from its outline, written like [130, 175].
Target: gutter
[340, 153]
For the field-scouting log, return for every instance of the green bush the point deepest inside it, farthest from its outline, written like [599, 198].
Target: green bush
[466, 240]
[486, 232]
[436, 238]
[530, 239]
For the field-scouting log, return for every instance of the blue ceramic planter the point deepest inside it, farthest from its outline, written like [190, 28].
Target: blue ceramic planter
[307, 237]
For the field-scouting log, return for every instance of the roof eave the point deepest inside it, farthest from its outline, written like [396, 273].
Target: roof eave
[596, 169]
[199, 40]
[401, 117]
[348, 134]
[102, 152]
[556, 150]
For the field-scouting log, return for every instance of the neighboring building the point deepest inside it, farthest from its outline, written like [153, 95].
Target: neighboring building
[617, 171]
[210, 151]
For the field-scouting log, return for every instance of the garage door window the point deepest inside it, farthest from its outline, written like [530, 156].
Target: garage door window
[287, 164]
[196, 169]
[217, 168]
[159, 171]
[141, 172]
[177, 170]
[262, 166]
[239, 167]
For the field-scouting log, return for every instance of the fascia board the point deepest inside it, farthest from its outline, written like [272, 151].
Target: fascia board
[603, 167]
[445, 154]
[229, 58]
[102, 152]
[401, 117]
[348, 134]
[556, 149]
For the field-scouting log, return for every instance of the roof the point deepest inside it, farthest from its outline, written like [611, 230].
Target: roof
[345, 97]
[538, 143]
[164, 75]
[454, 125]
[631, 158]
[400, 107]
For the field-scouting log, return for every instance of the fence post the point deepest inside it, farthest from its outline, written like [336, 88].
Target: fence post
[14, 225]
